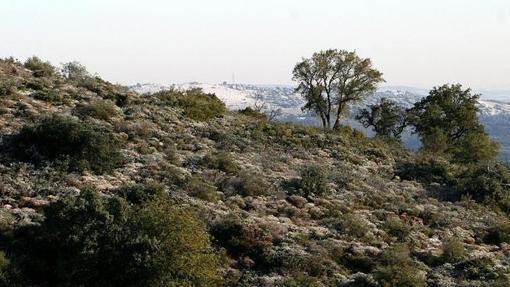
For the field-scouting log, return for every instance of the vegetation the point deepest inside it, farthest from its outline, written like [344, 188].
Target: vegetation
[331, 80]
[453, 250]
[73, 144]
[39, 68]
[398, 269]
[313, 181]
[386, 118]
[487, 183]
[129, 190]
[397, 228]
[221, 161]
[92, 240]
[196, 104]
[101, 110]
[446, 122]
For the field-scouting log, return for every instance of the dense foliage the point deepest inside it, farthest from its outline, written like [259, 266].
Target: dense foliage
[386, 118]
[196, 104]
[93, 240]
[72, 144]
[331, 80]
[447, 122]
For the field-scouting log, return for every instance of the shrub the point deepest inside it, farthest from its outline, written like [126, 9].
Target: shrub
[398, 269]
[52, 96]
[198, 188]
[140, 193]
[487, 183]
[241, 239]
[313, 181]
[92, 240]
[101, 110]
[39, 68]
[7, 86]
[426, 169]
[221, 161]
[396, 227]
[301, 279]
[499, 232]
[251, 185]
[245, 184]
[197, 105]
[200, 106]
[453, 250]
[353, 226]
[74, 144]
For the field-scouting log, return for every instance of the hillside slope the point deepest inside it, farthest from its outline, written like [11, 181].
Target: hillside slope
[494, 114]
[286, 205]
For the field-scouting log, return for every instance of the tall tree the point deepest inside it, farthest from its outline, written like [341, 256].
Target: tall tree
[331, 80]
[386, 118]
[447, 122]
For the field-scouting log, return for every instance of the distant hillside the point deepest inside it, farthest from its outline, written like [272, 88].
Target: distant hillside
[494, 114]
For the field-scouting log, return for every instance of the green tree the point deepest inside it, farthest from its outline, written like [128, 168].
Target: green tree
[331, 80]
[74, 71]
[386, 118]
[447, 122]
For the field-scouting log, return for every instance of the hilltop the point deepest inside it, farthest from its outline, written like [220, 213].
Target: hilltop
[280, 204]
[494, 110]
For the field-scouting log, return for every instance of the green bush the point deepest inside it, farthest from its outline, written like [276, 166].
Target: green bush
[394, 226]
[314, 181]
[140, 193]
[197, 105]
[426, 169]
[222, 161]
[487, 183]
[453, 250]
[397, 269]
[198, 188]
[499, 231]
[241, 239]
[39, 68]
[93, 240]
[353, 226]
[74, 144]
[200, 106]
[8, 86]
[251, 185]
[302, 279]
[100, 109]
[51, 96]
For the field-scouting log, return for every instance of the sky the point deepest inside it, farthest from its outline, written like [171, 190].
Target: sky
[413, 42]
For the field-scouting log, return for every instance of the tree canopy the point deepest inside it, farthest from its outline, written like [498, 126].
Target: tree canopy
[330, 80]
[447, 122]
[386, 118]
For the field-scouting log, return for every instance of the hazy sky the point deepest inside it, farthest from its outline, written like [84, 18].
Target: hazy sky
[413, 42]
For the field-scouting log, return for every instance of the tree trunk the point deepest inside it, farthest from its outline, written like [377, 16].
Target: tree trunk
[337, 119]
[323, 121]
